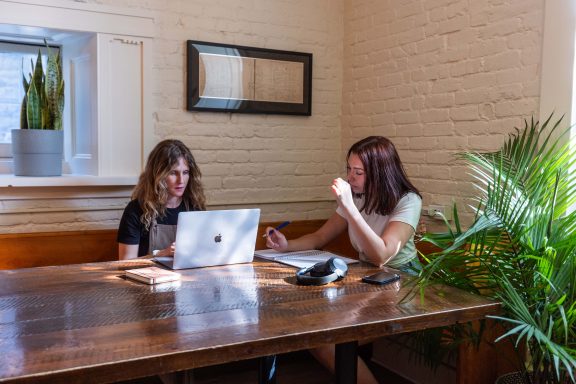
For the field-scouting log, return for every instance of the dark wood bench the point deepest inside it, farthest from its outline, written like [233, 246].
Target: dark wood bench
[26, 250]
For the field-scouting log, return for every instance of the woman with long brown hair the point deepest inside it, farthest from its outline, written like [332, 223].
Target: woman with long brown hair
[380, 209]
[377, 204]
[169, 184]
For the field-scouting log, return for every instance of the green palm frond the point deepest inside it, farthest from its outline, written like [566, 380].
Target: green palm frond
[521, 246]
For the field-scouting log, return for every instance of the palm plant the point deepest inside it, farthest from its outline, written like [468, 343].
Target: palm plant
[521, 247]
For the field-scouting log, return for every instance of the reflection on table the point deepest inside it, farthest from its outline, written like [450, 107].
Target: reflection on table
[60, 324]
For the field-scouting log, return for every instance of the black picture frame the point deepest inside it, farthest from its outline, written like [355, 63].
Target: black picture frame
[239, 79]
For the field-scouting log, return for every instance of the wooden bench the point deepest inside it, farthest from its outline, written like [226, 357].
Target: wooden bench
[26, 250]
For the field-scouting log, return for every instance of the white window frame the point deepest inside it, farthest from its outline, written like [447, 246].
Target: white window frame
[112, 27]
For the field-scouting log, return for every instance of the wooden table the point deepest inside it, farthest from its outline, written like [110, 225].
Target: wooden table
[87, 323]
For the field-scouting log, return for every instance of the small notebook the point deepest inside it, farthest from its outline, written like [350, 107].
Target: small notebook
[300, 259]
[152, 275]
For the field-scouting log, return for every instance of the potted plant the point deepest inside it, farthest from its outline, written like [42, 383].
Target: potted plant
[521, 248]
[37, 146]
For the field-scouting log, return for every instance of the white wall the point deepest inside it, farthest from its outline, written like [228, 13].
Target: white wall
[438, 77]
[283, 164]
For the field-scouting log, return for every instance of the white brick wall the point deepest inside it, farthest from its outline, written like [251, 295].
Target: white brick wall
[283, 162]
[61, 209]
[436, 76]
[256, 160]
[451, 75]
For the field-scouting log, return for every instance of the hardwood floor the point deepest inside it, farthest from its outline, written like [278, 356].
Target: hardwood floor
[297, 368]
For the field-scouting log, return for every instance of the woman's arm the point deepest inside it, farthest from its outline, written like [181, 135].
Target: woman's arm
[130, 251]
[378, 249]
[127, 251]
[129, 231]
[315, 240]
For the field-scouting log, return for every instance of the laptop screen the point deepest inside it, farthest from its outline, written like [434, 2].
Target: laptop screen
[219, 237]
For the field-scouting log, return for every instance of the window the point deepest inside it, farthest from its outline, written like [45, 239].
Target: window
[557, 82]
[14, 61]
[106, 62]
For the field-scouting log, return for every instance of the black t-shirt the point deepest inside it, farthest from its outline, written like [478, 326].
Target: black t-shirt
[131, 230]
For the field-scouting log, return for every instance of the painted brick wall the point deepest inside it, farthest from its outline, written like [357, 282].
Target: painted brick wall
[438, 77]
[279, 161]
[282, 164]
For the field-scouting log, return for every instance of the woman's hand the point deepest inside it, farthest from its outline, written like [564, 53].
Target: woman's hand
[343, 193]
[276, 240]
[168, 251]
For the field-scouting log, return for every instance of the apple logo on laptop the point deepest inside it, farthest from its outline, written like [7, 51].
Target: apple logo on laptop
[218, 238]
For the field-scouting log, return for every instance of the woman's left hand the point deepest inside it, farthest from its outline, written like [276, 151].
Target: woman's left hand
[343, 193]
[168, 251]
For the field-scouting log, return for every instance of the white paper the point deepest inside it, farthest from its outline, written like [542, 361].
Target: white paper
[300, 259]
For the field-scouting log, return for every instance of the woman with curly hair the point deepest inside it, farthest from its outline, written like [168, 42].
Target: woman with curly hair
[169, 184]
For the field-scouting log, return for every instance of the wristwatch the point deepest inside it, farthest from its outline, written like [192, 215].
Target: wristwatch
[155, 252]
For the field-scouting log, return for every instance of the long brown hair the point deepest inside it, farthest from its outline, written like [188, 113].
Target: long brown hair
[386, 181]
[151, 190]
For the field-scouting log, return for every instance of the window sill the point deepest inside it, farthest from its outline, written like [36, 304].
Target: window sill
[65, 181]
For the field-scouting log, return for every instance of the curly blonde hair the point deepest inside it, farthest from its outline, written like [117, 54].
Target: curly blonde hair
[151, 190]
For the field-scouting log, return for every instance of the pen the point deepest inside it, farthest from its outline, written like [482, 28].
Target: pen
[279, 227]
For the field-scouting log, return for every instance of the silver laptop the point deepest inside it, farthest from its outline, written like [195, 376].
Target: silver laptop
[207, 238]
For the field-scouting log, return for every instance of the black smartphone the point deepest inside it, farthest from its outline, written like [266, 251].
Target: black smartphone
[381, 278]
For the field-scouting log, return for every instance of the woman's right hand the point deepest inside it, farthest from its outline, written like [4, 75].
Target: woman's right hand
[276, 240]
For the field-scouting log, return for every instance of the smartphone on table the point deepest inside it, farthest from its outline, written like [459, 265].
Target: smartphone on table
[381, 278]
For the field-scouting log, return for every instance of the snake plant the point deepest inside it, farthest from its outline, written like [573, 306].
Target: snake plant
[43, 102]
[521, 247]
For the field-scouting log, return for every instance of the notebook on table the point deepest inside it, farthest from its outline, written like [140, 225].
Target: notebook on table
[208, 238]
[300, 259]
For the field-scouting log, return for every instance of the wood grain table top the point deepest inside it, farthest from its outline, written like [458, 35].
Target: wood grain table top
[87, 323]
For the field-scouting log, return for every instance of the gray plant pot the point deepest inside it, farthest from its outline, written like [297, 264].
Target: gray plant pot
[37, 152]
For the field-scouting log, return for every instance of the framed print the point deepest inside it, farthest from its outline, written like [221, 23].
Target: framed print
[232, 78]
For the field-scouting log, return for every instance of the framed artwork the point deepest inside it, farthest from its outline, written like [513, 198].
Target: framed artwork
[232, 78]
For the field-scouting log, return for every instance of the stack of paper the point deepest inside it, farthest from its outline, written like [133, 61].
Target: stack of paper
[300, 259]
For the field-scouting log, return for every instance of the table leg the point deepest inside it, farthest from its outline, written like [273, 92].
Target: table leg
[346, 363]
[267, 370]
